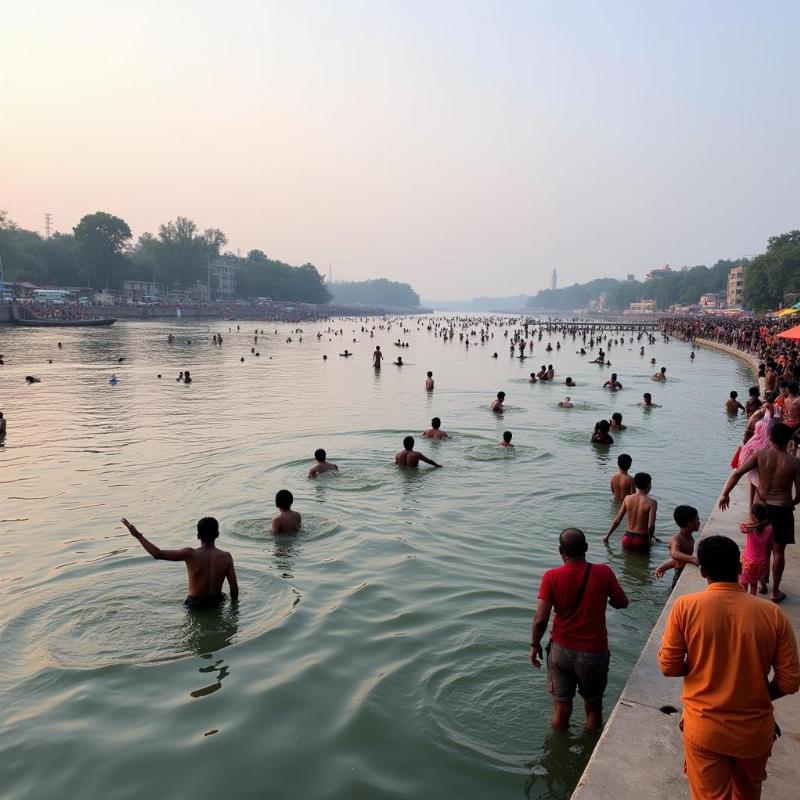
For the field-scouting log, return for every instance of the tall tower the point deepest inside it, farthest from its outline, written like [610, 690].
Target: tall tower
[48, 224]
[554, 279]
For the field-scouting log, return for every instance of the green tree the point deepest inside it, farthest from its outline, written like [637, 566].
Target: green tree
[773, 278]
[100, 238]
[377, 292]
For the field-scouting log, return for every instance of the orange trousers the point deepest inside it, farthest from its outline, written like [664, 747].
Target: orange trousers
[713, 776]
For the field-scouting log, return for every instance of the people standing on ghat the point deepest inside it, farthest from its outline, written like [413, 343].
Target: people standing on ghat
[435, 431]
[429, 382]
[377, 357]
[621, 481]
[322, 465]
[732, 404]
[681, 544]
[409, 458]
[753, 401]
[778, 474]
[497, 403]
[506, 440]
[791, 406]
[207, 566]
[724, 643]
[286, 520]
[640, 509]
[577, 655]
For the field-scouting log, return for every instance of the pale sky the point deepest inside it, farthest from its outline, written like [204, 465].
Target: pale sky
[465, 147]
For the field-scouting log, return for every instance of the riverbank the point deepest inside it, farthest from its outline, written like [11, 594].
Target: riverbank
[641, 740]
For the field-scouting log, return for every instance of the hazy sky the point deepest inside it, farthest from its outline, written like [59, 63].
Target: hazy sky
[465, 147]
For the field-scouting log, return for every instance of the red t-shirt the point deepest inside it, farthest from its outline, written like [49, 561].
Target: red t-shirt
[585, 629]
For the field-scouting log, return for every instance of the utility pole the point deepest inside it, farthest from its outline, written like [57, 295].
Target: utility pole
[48, 224]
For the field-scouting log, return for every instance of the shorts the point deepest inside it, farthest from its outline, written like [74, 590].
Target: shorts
[568, 669]
[637, 542]
[206, 601]
[782, 520]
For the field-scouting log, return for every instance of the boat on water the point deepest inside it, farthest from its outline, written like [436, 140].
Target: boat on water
[28, 320]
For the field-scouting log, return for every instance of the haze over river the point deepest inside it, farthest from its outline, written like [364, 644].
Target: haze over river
[380, 653]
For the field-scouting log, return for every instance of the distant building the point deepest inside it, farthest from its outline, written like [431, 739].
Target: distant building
[658, 272]
[631, 277]
[136, 291]
[642, 307]
[222, 274]
[554, 280]
[736, 287]
[708, 300]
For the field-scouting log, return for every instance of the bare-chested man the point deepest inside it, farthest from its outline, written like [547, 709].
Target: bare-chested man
[435, 431]
[778, 472]
[377, 357]
[660, 376]
[207, 566]
[429, 382]
[641, 512]
[286, 520]
[732, 404]
[409, 458]
[322, 465]
[791, 406]
[506, 440]
[497, 403]
[621, 482]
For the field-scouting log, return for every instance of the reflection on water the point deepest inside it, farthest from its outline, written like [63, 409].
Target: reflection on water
[385, 642]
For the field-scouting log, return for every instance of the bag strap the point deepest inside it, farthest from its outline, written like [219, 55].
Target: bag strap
[576, 603]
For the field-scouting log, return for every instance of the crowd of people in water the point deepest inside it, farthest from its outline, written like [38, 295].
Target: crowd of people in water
[577, 656]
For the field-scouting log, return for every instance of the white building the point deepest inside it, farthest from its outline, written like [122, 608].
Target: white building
[736, 287]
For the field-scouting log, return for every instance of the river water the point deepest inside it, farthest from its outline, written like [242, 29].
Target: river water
[380, 653]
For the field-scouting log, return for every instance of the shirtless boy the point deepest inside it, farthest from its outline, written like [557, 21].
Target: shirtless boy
[435, 431]
[612, 383]
[429, 382]
[506, 439]
[778, 473]
[661, 375]
[732, 405]
[621, 482]
[409, 458]
[497, 403]
[681, 544]
[286, 520]
[322, 465]
[207, 566]
[647, 401]
[641, 512]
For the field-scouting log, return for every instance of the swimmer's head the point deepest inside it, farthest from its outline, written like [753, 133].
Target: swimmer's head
[613, 376]
[506, 436]
[572, 543]
[430, 374]
[436, 423]
[719, 559]
[617, 417]
[780, 434]
[567, 399]
[320, 455]
[734, 395]
[647, 396]
[624, 461]
[643, 481]
[603, 426]
[501, 395]
[207, 530]
[684, 516]
[663, 370]
[533, 374]
[408, 443]
[284, 499]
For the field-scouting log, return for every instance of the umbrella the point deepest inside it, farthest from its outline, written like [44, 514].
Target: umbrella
[792, 333]
[785, 312]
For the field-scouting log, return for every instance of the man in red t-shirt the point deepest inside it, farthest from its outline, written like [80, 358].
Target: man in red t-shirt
[577, 655]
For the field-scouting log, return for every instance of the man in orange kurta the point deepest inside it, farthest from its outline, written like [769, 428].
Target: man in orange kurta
[723, 643]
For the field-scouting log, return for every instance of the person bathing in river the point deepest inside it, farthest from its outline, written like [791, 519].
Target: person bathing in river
[660, 376]
[621, 482]
[616, 422]
[506, 442]
[435, 431]
[322, 465]
[647, 401]
[286, 520]
[497, 403]
[207, 566]
[409, 458]
[641, 512]
[732, 404]
[612, 383]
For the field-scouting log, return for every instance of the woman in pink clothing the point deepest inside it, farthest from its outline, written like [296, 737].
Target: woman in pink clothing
[757, 549]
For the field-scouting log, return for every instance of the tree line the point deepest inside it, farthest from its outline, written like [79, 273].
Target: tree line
[378, 292]
[100, 253]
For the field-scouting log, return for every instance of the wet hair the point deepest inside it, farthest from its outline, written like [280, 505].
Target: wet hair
[207, 529]
[617, 417]
[734, 395]
[572, 543]
[642, 480]
[603, 426]
[719, 558]
[663, 369]
[647, 396]
[533, 374]
[320, 454]
[284, 499]
[501, 395]
[436, 423]
[408, 443]
[683, 515]
[780, 434]
[624, 461]
[760, 512]
[430, 374]
[613, 376]
[506, 436]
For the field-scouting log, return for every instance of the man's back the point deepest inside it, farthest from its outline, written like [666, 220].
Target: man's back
[207, 568]
[621, 485]
[638, 508]
[731, 639]
[777, 471]
[407, 458]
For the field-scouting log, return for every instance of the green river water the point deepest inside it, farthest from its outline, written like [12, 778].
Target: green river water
[381, 652]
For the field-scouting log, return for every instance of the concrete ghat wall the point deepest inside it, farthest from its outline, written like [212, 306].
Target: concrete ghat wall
[640, 753]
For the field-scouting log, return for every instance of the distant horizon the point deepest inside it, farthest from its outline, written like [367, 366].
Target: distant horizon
[454, 146]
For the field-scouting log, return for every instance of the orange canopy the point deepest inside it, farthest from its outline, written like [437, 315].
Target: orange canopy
[792, 333]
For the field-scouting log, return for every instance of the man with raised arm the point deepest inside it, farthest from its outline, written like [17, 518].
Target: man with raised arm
[207, 566]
